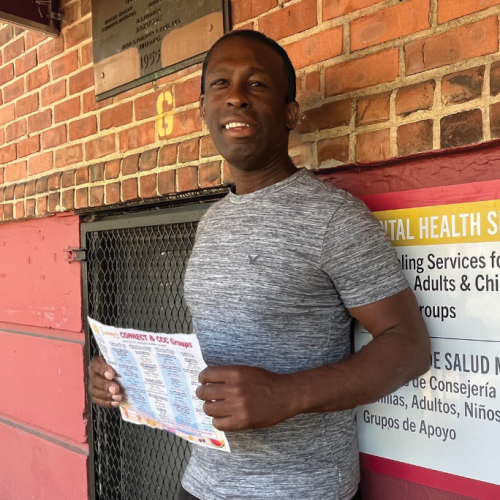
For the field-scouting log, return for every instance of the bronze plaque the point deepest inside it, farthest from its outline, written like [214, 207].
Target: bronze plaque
[136, 41]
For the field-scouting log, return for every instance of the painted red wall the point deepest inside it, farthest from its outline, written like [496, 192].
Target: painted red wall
[42, 395]
[471, 165]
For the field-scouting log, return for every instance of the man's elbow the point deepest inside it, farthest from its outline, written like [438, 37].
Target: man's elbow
[421, 354]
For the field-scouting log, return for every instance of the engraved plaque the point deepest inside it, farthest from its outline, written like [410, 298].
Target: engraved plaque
[136, 41]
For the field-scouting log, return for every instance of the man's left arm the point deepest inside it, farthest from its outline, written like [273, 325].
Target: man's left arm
[243, 398]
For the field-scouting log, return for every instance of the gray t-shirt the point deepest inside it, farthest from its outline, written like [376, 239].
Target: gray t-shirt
[268, 284]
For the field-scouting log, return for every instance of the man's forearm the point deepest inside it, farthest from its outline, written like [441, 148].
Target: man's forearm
[380, 368]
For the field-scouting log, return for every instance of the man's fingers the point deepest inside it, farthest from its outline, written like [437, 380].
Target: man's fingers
[216, 409]
[214, 374]
[104, 394]
[104, 403]
[210, 392]
[98, 365]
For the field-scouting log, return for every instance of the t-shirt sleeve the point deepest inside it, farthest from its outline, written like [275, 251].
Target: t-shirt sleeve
[358, 256]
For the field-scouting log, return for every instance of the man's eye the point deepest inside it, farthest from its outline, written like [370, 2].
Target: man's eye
[256, 84]
[219, 82]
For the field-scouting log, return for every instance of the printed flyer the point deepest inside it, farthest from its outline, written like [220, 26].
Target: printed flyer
[159, 375]
[448, 419]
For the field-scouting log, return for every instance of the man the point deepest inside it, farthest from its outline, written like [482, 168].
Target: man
[279, 269]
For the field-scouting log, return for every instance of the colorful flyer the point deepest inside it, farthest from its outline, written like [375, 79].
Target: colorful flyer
[159, 376]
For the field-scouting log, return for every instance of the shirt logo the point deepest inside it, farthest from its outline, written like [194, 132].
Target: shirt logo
[253, 259]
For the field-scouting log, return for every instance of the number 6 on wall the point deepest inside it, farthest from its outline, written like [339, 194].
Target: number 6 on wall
[165, 121]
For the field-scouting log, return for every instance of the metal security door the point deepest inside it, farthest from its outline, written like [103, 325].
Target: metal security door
[133, 278]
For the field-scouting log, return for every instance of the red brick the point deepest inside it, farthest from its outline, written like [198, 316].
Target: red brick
[64, 65]
[55, 181]
[373, 146]
[2, 136]
[462, 86]
[81, 81]
[135, 91]
[97, 172]
[71, 14]
[147, 186]
[415, 138]
[25, 63]
[174, 77]
[90, 104]
[28, 146]
[337, 8]
[187, 179]
[15, 172]
[31, 187]
[6, 74]
[461, 129]
[373, 109]
[97, 196]
[68, 178]
[187, 92]
[210, 174]
[16, 130]
[138, 137]
[78, 33]
[34, 38]
[40, 163]
[130, 164]
[67, 110]
[82, 128]
[494, 120]
[451, 9]
[82, 176]
[112, 169]
[242, 10]
[30, 208]
[459, 44]
[290, 20]
[113, 193]
[9, 192]
[316, 48]
[13, 91]
[116, 116]
[13, 50]
[100, 147]
[82, 198]
[54, 202]
[8, 153]
[394, 22]
[85, 7]
[54, 137]
[167, 155]
[6, 34]
[495, 79]
[19, 191]
[330, 115]
[40, 121]
[147, 106]
[38, 78]
[166, 182]
[186, 123]
[68, 199]
[69, 155]
[27, 105]
[336, 148]
[189, 150]
[129, 190]
[7, 114]
[208, 147]
[8, 211]
[148, 160]
[53, 93]
[42, 184]
[87, 54]
[52, 48]
[415, 98]
[20, 210]
[371, 70]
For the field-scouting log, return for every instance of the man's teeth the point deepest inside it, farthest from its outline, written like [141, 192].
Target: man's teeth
[237, 124]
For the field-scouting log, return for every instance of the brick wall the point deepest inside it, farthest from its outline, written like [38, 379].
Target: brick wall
[377, 79]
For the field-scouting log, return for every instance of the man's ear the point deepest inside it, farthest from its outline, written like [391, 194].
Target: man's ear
[202, 108]
[292, 114]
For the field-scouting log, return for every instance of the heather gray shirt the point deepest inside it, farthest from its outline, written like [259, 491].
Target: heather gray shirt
[268, 284]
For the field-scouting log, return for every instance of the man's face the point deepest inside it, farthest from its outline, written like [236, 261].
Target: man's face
[244, 102]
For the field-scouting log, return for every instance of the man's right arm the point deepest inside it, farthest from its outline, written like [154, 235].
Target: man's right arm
[102, 387]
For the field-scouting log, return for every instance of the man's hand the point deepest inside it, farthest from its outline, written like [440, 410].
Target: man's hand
[103, 390]
[243, 397]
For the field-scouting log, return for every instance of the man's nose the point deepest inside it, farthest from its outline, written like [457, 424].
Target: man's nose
[237, 97]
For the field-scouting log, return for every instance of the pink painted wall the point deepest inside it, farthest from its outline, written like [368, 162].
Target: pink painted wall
[42, 393]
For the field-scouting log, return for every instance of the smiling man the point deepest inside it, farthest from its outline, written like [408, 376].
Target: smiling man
[279, 269]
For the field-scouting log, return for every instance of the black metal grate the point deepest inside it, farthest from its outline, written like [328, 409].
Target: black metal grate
[135, 280]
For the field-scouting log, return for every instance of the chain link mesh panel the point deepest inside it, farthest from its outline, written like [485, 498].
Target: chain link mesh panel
[135, 280]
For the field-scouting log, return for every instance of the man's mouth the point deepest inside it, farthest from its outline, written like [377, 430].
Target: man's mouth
[233, 125]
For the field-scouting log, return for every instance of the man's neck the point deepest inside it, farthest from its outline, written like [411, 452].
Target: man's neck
[248, 181]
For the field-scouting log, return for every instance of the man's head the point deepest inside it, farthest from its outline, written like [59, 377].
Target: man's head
[248, 99]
